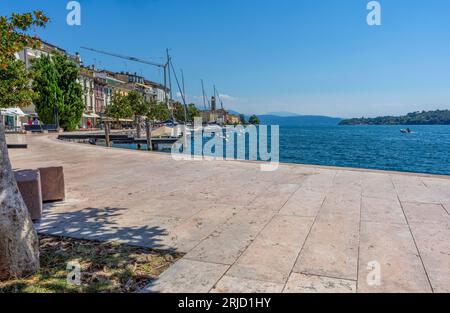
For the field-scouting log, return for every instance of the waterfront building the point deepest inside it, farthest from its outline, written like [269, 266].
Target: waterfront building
[233, 119]
[215, 116]
[28, 54]
[98, 86]
[157, 92]
[101, 93]
[152, 91]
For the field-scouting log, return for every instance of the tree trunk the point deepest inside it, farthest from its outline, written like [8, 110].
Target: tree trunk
[107, 132]
[19, 246]
[138, 127]
[148, 129]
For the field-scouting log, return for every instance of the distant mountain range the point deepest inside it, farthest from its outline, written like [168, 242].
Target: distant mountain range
[299, 120]
[283, 114]
[293, 119]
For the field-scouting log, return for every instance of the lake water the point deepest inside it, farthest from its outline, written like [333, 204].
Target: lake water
[427, 150]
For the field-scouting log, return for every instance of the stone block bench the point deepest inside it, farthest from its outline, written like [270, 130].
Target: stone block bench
[29, 183]
[52, 184]
[40, 186]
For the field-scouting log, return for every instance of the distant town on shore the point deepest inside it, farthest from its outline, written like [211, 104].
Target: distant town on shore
[438, 117]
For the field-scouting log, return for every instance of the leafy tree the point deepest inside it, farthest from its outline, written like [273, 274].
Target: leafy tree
[242, 119]
[15, 85]
[48, 95]
[181, 113]
[158, 111]
[155, 112]
[254, 120]
[139, 107]
[72, 105]
[178, 111]
[56, 87]
[192, 112]
[137, 103]
[19, 247]
[120, 107]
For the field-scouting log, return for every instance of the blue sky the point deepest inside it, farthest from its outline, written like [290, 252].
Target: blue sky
[302, 56]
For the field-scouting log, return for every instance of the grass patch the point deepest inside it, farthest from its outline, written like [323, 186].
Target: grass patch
[105, 267]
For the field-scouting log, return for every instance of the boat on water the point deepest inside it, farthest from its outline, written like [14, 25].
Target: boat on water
[406, 131]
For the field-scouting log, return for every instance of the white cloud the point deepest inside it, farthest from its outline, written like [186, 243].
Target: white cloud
[225, 97]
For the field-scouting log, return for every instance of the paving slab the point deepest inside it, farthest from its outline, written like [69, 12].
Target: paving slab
[440, 188]
[334, 205]
[187, 276]
[305, 202]
[284, 238]
[300, 283]
[382, 210]
[319, 181]
[425, 213]
[241, 285]
[413, 189]
[231, 239]
[392, 248]
[332, 248]
[190, 232]
[275, 197]
[447, 207]
[375, 185]
[434, 247]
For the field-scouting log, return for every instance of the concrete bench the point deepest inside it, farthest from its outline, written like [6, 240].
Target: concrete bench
[17, 146]
[52, 184]
[41, 128]
[29, 183]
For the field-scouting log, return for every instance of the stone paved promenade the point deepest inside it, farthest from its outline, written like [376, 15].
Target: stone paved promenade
[299, 229]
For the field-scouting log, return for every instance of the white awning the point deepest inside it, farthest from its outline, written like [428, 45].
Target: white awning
[12, 112]
[91, 115]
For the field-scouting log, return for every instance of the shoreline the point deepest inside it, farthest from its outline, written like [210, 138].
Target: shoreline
[325, 167]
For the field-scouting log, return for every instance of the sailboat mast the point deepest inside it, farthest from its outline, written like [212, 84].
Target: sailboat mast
[204, 96]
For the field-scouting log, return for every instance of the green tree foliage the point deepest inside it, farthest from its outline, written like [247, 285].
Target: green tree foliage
[15, 88]
[192, 112]
[120, 107]
[254, 120]
[56, 87]
[71, 110]
[48, 95]
[178, 111]
[137, 103]
[242, 119]
[14, 79]
[439, 117]
[158, 111]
